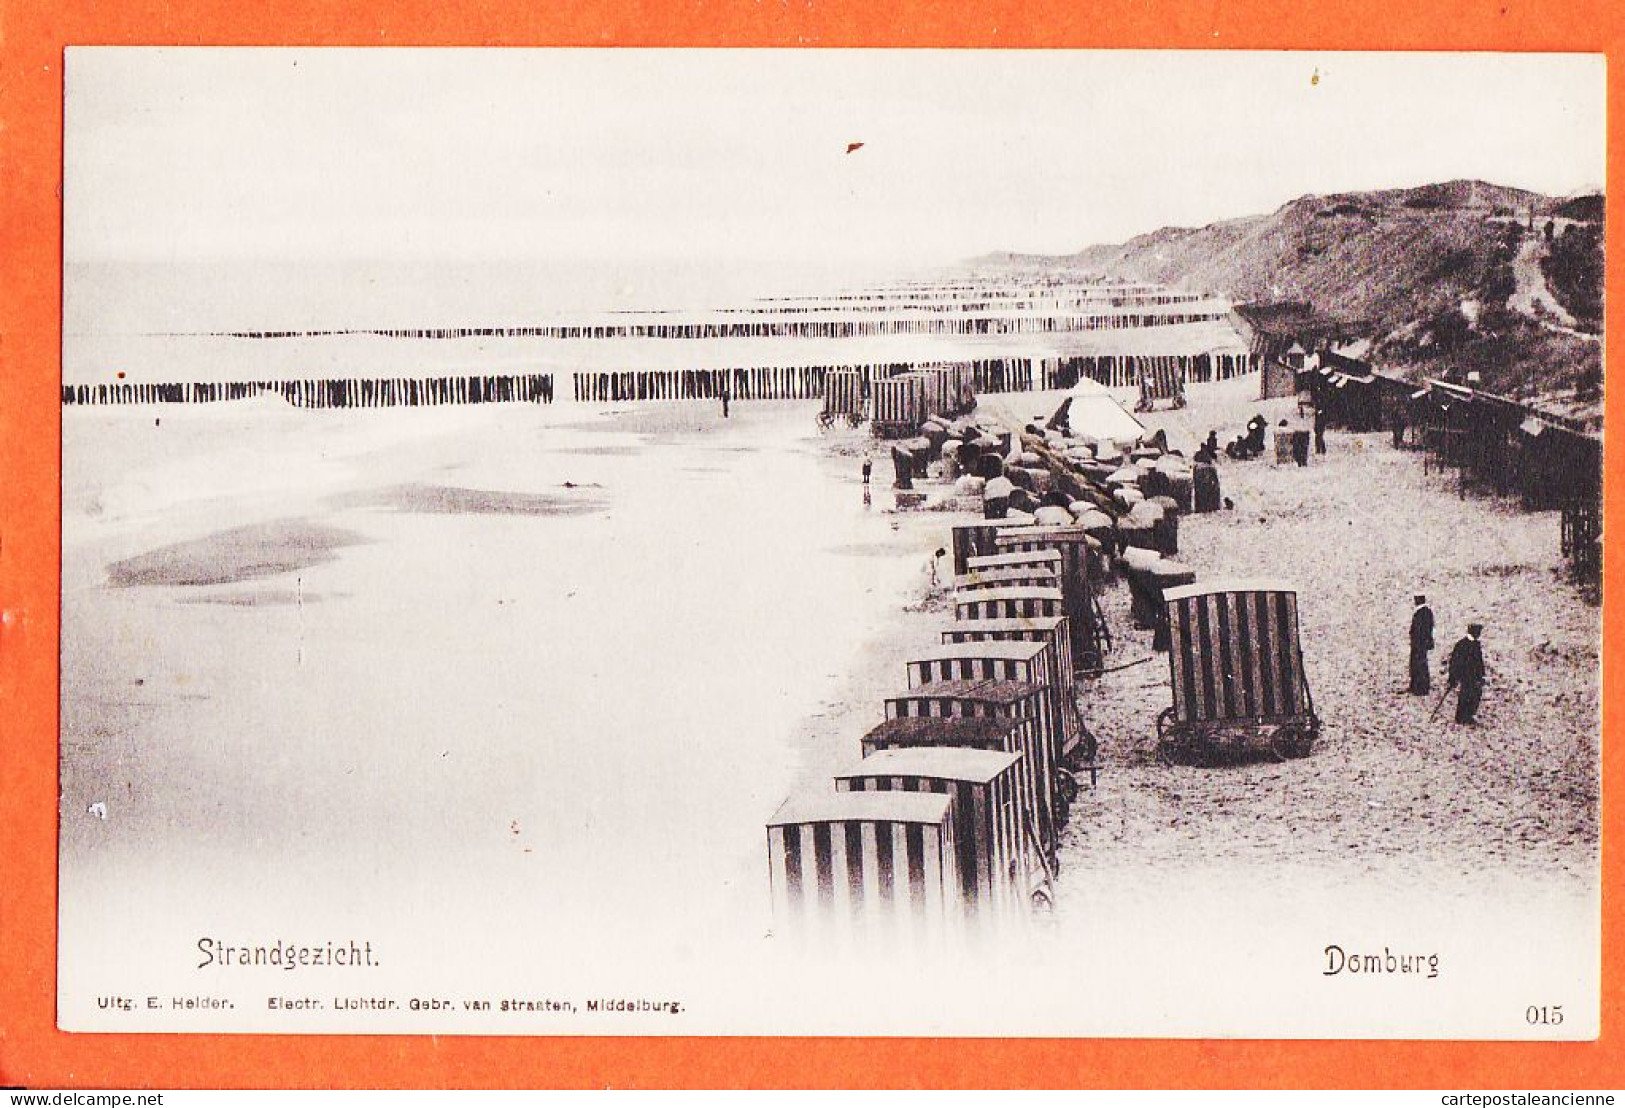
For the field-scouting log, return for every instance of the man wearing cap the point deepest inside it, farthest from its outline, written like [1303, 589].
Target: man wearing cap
[1421, 645]
[1467, 670]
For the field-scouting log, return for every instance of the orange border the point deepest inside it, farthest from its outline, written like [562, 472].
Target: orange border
[33, 34]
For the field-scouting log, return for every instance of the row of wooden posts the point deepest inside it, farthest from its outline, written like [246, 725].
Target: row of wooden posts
[999, 292]
[366, 392]
[785, 328]
[761, 383]
[758, 383]
[1015, 302]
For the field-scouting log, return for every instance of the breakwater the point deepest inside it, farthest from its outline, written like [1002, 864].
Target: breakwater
[364, 392]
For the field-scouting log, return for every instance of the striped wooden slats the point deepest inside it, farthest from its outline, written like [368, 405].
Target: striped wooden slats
[1234, 652]
[1162, 377]
[990, 838]
[897, 405]
[844, 391]
[1016, 577]
[1046, 559]
[871, 863]
[1009, 602]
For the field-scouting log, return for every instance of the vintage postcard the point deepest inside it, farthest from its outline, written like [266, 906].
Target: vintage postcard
[840, 542]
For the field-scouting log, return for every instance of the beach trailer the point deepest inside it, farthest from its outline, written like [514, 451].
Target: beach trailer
[845, 391]
[993, 661]
[866, 864]
[982, 715]
[1236, 668]
[1051, 629]
[1078, 746]
[971, 540]
[1090, 638]
[1160, 378]
[999, 870]
[897, 406]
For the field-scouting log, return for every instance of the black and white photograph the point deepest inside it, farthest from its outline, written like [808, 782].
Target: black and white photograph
[823, 542]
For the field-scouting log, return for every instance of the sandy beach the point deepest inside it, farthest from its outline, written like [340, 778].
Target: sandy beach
[424, 660]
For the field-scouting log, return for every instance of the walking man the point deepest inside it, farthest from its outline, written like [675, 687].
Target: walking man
[1467, 671]
[1421, 644]
[868, 468]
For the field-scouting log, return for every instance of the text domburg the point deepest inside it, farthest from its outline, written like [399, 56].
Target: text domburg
[1340, 961]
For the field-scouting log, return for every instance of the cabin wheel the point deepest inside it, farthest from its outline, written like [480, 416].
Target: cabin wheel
[1289, 742]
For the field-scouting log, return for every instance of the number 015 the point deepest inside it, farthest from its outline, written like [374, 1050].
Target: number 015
[1549, 1016]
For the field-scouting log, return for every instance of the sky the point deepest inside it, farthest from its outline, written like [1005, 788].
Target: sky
[563, 155]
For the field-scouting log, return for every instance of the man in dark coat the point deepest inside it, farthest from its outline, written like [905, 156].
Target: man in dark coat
[1421, 644]
[1467, 671]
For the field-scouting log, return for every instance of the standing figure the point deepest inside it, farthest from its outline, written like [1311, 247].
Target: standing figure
[724, 403]
[1467, 671]
[1320, 430]
[1421, 644]
[868, 468]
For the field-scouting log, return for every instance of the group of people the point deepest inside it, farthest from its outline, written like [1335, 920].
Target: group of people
[1249, 444]
[1464, 670]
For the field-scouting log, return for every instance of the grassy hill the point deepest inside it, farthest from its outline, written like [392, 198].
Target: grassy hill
[1429, 273]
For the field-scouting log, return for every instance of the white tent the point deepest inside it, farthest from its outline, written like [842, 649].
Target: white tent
[1091, 413]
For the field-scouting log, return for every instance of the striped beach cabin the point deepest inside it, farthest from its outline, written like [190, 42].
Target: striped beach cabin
[845, 391]
[1076, 581]
[1234, 657]
[1046, 629]
[990, 833]
[870, 864]
[897, 406]
[935, 724]
[1161, 377]
[1032, 662]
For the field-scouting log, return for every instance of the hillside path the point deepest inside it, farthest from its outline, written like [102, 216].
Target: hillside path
[1532, 296]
